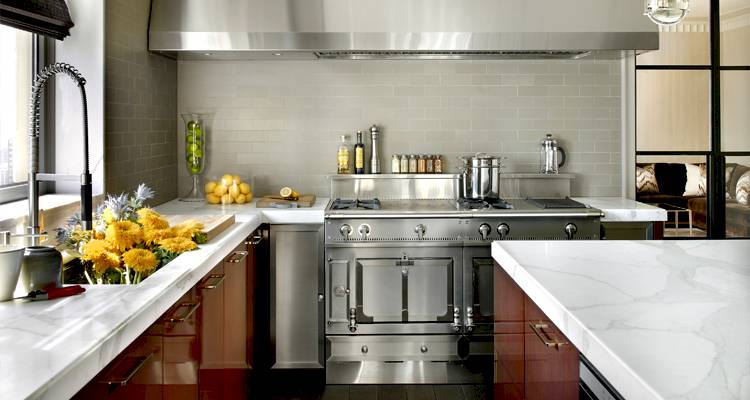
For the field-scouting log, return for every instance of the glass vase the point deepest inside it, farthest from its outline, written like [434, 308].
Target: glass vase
[195, 151]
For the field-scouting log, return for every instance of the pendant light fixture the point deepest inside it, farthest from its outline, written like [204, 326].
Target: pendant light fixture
[667, 12]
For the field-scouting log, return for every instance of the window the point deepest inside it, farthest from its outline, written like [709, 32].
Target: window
[16, 66]
[692, 122]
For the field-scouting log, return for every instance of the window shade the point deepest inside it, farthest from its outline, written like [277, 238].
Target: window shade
[45, 17]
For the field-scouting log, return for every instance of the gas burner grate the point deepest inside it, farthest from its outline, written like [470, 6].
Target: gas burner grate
[468, 204]
[352, 204]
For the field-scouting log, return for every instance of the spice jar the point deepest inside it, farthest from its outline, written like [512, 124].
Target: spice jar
[438, 164]
[421, 164]
[404, 164]
[430, 164]
[413, 164]
[395, 164]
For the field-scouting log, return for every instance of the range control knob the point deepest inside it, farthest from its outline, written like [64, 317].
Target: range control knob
[345, 230]
[364, 230]
[420, 230]
[570, 230]
[503, 230]
[484, 231]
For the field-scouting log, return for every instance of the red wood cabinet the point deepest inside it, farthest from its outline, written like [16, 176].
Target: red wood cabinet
[202, 347]
[534, 360]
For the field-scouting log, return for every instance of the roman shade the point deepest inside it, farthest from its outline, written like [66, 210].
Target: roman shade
[45, 17]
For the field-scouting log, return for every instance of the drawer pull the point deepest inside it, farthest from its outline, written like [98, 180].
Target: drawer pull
[139, 362]
[189, 310]
[548, 341]
[212, 281]
[237, 256]
[255, 240]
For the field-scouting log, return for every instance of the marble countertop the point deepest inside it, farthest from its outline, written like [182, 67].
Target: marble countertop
[620, 209]
[659, 319]
[50, 349]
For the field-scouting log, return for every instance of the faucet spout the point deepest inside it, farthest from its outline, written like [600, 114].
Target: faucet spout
[35, 176]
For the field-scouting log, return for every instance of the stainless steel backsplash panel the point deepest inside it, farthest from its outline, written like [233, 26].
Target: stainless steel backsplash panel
[444, 186]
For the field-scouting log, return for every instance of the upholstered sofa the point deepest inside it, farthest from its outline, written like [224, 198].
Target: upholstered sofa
[674, 184]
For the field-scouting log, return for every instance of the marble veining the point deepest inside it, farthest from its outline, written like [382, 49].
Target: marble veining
[620, 209]
[659, 319]
[50, 349]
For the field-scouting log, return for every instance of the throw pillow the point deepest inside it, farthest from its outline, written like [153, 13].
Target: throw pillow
[728, 180]
[703, 184]
[743, 189]
[671, 178]
[645, 179]
[692, 185]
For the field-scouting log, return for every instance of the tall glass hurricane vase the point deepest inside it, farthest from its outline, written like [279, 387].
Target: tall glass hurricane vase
[195, 151]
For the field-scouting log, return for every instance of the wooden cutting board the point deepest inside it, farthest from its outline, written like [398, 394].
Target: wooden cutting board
[213, 225]
[305, 200]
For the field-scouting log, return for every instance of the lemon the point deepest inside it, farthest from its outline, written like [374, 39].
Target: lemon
[286, 192]
[209, 187]
[248, 197]
[244, 188]
[234, 191]
[227, 179]
[236, 179]
[241, 199]
[226, 199]
[220, 190]
[212, 199]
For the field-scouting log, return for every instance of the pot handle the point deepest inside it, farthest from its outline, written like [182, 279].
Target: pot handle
[563, 157]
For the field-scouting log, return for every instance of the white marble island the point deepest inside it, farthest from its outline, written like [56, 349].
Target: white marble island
[659, 319]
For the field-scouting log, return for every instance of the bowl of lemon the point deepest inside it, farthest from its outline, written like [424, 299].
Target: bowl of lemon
[228, 189]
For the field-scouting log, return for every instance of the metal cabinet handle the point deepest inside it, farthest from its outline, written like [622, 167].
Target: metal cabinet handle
[212, 281]
[190, 309]
[352, 320]
[548, 341]
[132, 371]
[255, 240]
[237, 256]
[456, 319]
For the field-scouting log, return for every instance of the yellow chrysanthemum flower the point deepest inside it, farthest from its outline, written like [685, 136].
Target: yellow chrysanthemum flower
[124, 235]
[153, 236]
[140, 260]
[177, 245]
[151, 219]
[188, 229]
[101, 254]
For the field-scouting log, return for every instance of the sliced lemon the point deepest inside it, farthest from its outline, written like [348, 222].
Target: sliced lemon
[288, 193]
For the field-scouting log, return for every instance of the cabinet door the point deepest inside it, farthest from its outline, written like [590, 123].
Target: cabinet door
[212, 319]
[135, 374]
[235, 309]
[296, 296]
[509, 337]
[551, 361]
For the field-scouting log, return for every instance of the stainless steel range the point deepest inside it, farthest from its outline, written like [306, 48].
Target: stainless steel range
[409, 275]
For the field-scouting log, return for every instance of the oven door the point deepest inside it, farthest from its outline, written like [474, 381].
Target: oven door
[478, 294]
[392, 290]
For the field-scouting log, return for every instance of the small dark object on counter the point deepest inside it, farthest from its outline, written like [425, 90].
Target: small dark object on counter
[53, 293]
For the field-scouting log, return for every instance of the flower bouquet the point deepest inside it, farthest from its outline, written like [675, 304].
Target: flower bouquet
[129, 241]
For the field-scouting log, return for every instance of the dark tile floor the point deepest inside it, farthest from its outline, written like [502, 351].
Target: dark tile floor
[378, 392]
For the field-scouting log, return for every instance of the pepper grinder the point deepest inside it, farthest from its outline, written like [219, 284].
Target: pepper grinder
[374, 149]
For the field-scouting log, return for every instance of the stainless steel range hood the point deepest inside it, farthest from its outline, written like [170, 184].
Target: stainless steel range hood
[400, 29]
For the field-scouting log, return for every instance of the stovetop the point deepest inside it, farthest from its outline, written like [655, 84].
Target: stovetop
[374, 208]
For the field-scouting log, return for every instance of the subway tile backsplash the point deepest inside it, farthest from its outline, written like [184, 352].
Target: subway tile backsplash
[280, 121]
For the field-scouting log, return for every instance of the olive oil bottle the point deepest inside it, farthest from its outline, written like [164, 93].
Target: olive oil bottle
[359, 155]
